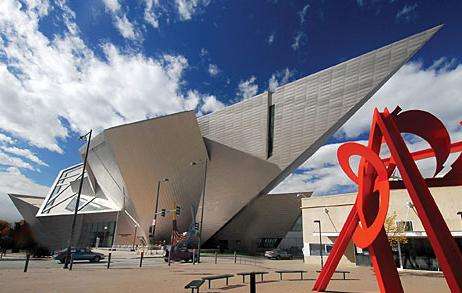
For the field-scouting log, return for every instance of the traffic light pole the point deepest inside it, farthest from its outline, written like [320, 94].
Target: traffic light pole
[155, 212]
[68, 252]
[157, 207]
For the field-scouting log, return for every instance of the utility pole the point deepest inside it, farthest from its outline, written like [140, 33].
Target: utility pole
[68, 252]
[320, 243]
[156, 207]
[202, 210]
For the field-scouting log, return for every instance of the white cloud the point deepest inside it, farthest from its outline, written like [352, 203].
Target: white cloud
[303, 12]
[248, 88]
[149, 15]
[321, 174]
[6, 139]
[25, 153]
[126, 28]
[13, 181]
[437, 89]
[187, 8]
[407, 13]
[121, 22]
[298, 39]
[112, 5]
[44, 82]
[10, 161]
[279, 78]
[204, 52]
[270, 39]
[213, 70]
[211, 104]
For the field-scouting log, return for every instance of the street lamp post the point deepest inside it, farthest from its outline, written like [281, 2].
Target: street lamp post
[202, 211]
[66, 262]
[157, 206]
[320, 242]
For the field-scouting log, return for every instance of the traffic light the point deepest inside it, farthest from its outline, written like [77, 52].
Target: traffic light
[178, 210]
[162, 212]
[196, 226]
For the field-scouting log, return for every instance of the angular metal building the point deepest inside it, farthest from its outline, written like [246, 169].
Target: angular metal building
[245, 150]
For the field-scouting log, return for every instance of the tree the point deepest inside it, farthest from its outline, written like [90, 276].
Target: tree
[395, 232]
[4, 228]
[5, 239]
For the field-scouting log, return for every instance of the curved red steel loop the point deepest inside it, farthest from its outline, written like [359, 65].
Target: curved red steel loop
[431, 129]
[372, 180]
[364, 235]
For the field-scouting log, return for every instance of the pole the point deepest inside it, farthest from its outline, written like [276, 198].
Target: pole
[141, 259]
[134, 238]
[115, 232]
[155, 211]
[235, 257]
[26, 265]
[202, 211]
[253, 285]
[320, 243]
[66, 262]
[72, 262]
[109, 260]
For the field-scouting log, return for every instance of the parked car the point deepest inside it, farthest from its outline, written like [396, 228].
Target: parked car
[179, 254]
[278, 254]
[79, 254]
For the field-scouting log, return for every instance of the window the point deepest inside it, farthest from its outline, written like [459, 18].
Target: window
[268, 242]
[270, 137]
[315, 249]
[405, 225]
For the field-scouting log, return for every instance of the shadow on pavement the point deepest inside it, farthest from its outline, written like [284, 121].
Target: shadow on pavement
[229, 287]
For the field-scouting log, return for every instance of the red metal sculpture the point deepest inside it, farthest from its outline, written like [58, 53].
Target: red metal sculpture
[364, 224]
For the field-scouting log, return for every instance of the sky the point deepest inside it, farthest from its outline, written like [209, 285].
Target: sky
[70, 66]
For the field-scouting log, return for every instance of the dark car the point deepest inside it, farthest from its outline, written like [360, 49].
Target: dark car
[179, 254]
[79, 254]
[278, 254]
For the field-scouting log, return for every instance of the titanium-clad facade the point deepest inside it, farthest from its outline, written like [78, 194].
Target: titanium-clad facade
[249, 147]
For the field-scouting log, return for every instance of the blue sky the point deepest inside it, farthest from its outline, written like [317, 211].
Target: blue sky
[68, 66]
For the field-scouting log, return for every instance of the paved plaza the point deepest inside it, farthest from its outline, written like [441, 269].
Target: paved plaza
[156, 276]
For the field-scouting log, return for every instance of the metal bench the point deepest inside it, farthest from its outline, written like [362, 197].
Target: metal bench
[251, 273]
[194, 284]
[339, 272]
[291, 272]
[210, 278]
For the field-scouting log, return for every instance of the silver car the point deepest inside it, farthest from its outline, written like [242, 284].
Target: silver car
[278, 254]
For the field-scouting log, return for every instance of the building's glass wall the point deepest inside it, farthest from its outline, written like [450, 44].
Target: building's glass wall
[268, 243]
[416, 254]
[97, 234]
[315, 249]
